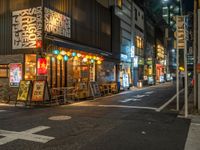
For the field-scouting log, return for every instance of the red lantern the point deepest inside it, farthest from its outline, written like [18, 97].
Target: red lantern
[39, 44]
[42, 66]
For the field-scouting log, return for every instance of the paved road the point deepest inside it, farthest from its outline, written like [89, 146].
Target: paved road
[127, 121]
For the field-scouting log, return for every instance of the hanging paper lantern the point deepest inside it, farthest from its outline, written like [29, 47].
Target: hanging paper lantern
[74, 54]
[75, 58]
[85, 59]
[79, 55]
[69, 53]
[87, 56]
[56, 52]
[59, 57]
[65, 58]
[63, 52]
[94, 57]
[92, 60]
[99, 62]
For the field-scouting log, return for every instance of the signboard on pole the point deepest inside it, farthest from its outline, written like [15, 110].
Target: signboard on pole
[180, 32]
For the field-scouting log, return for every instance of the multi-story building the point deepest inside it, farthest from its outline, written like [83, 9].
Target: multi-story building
[66, 42]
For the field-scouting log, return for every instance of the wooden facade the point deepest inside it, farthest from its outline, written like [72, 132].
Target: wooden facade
[91, 24]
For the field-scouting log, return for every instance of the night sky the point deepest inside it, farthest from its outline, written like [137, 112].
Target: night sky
[188, 5]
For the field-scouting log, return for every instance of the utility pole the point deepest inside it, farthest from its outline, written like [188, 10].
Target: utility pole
[195, 52]
[198, 52]
[186, 72]
[177, 66]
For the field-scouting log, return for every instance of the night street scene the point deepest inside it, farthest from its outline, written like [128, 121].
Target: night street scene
[99, 74]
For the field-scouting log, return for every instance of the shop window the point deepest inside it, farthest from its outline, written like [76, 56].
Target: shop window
[3, 71]
[119, 3]
[30, 66]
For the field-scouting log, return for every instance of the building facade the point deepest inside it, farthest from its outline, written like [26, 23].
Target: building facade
[65, 42]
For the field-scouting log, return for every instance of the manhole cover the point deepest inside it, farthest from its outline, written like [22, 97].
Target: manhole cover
[59, 118]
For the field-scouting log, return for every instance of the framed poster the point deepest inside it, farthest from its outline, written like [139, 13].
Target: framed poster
[24, 90]
[15, 74]
[38, 91]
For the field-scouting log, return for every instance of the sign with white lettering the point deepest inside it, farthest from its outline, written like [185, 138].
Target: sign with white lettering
[57, 23]
[180, 32]
[26, 28]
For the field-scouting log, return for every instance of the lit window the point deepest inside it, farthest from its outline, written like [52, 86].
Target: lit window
[119, 3]
[30, 66]
[139, 42]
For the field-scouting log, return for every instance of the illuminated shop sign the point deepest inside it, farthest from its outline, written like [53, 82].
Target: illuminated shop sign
[15, 74]
[135, 61]
[124, 57]
[132, 51]
[141, 61]
[42, 66]
[57, 23]
[26, 28]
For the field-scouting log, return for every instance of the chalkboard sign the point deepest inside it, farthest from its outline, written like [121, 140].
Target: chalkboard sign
[24, 90]
[94, 88]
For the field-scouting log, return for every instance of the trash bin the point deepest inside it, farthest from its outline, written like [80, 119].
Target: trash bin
[139, 84]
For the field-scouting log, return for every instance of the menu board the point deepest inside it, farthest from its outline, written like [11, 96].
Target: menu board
[23, 91]
[15, 74]
[94, 87]
[38, 90]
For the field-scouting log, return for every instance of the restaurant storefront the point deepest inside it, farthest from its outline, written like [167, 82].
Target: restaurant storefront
[59, 48]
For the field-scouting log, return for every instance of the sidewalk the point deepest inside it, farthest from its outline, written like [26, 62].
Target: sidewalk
[193, 139]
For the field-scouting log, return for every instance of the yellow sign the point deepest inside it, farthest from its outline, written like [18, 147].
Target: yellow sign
[23, 91]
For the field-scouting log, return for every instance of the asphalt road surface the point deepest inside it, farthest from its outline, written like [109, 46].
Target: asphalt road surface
[127, 121]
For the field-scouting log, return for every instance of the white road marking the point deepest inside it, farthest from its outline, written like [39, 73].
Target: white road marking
[131, 107]
[130, 99]
[168, 102]
[27, 135]
[140, 96]
[2, 111]
[150, 92]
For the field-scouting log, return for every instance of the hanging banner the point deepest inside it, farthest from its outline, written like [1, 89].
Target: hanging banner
[24, 90]
[15, 74]
[38, 90]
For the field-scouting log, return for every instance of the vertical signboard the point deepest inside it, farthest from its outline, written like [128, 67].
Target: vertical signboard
[24, 90]
[15, 74]
[180, 32]
[42, 66]
[38, 91]
[26, 28]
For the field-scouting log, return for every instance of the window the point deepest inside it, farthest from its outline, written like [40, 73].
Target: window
[30, 66]
[3, 71]
[119, 3]
[135, 14]
[139, 42]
